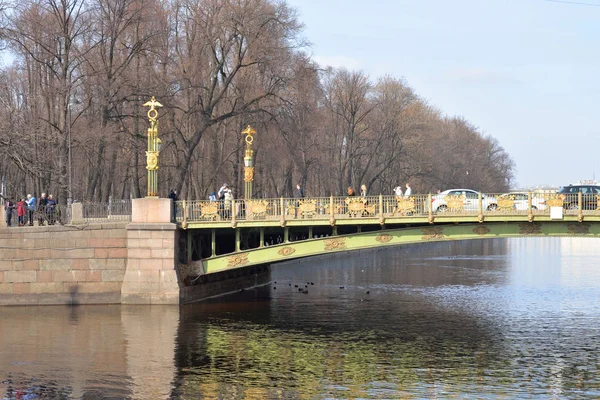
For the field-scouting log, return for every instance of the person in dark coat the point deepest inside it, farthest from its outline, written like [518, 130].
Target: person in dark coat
[173, 196]
[9, 206]
[51, 209]
[42, 208]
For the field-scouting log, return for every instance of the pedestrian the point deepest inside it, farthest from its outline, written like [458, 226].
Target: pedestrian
[221, 199]
[30, 208]
[351, 191]
[363, 190]
[51, 209]
[221, 192]
[173, 196]
[42, 208]
[398, 191]
[21, 212]
[212, 197]
[227, 202]
[9, 206]
[408, 191]
[298, 194]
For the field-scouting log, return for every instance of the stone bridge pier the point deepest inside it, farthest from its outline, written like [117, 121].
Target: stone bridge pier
[151, 273]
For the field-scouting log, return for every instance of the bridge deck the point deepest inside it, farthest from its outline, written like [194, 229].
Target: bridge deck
[392, 210]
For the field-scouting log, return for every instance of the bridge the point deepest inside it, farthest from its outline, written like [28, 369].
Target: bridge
[224, 237]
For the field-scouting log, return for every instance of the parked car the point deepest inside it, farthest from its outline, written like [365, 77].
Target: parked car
[439, 202]
[521, 201]
[570, 196]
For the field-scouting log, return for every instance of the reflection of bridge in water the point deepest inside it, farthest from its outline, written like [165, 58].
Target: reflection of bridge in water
[226, 236]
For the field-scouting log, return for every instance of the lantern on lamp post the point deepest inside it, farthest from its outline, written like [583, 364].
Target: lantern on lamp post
[154, 147]
[248, 162]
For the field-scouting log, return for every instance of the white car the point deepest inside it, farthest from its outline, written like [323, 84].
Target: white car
[461, 199]
[521, 201]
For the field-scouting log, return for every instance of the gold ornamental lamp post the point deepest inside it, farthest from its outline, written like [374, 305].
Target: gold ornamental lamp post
[248, 162]
[154, 145]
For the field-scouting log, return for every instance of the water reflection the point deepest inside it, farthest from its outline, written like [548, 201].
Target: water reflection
[512, 318]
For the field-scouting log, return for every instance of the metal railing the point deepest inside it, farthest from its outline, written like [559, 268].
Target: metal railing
[355, 207]
[114, 210]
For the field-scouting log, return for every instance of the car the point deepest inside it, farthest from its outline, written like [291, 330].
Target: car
[521, 201]
[469, 198]
[589, 196]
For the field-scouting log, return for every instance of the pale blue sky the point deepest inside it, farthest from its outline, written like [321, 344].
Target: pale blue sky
[524, 71]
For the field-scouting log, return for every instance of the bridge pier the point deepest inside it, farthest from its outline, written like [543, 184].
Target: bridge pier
[151, 275]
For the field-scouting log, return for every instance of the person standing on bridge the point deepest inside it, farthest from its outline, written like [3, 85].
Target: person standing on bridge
[398, 191]
[363, 191]
[9, 206]
[174, 197]
[298, 194]
[42, 208]
[30, 208]
[408, 191]
[21, 211]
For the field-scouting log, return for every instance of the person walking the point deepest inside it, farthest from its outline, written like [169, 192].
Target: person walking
[398, 191]
[351, 191]
[30, 208]
[21, 212]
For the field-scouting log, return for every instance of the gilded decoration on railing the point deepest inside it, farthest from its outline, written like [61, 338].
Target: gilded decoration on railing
[257, 209]
[506, 203]
[579, 229]
[358, 206]
[248, 174]
[383, 238]
[335, 244]
[481, 230]
[432, 233]
[307, 208]
[456, 202]
[533, 228]
[405, 205]
[286, 251]
[554, 200]
[209, 211]
[237, 260]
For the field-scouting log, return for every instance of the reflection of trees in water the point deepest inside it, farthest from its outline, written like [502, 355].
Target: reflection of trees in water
[225, 353]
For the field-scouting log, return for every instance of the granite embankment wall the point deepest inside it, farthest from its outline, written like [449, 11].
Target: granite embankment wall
[62, 264]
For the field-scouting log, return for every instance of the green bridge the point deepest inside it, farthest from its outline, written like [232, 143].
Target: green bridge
[219, 237]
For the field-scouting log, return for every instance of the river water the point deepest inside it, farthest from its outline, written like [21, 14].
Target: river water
[517, 318]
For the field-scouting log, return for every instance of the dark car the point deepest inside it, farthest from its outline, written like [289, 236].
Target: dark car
[589, 196]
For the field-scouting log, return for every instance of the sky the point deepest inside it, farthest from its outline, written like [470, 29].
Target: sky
[526, 72]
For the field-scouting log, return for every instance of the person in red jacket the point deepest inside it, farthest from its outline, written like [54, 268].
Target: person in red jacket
[21, 211]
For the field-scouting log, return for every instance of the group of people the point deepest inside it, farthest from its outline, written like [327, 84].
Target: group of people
[26, 209]
[407, 192]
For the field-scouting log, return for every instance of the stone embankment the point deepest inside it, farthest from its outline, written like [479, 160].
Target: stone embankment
[62, 264]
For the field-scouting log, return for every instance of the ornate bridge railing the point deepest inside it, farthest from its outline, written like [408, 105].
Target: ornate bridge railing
[427, 207]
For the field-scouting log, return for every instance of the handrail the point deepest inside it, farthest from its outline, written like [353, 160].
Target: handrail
[382, 207]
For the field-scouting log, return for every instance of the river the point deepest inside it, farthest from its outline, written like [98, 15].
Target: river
[503, 318]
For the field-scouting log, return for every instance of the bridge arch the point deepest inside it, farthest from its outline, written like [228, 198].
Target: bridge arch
[392, 237]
